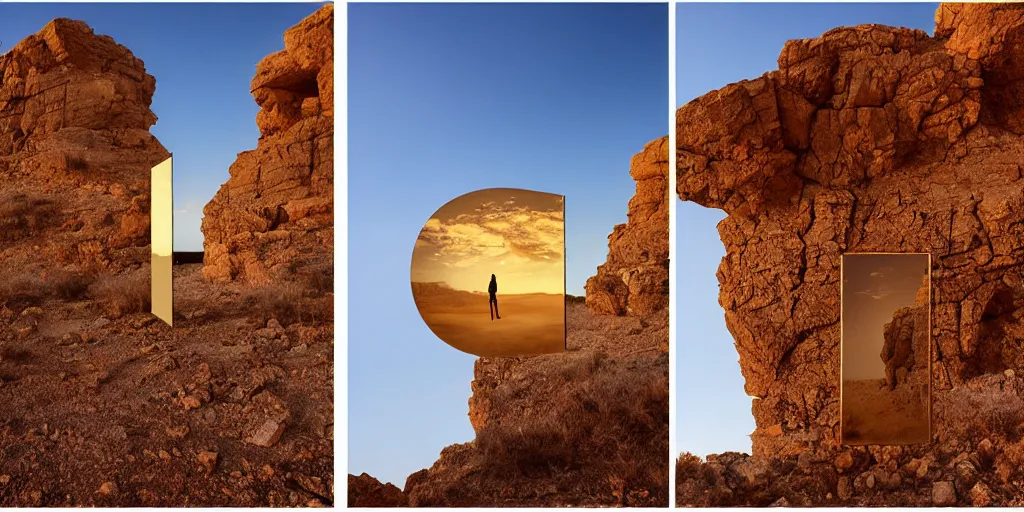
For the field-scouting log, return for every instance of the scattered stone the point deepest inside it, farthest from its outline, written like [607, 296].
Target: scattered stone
[986, 449]
[845, 488]
[781, 502]
[895, 480]
[922, 469]
[100, 323]
[191, 402]
[943, 494]
[208, 460]
[143, 322]
[844, 461]
[805, 461]
[5, 479]
[981, 495]
[311, 483]
[32, 312]
[267, 434]
[177, 432]
[70, 338]
[107, 489]
[165, 455]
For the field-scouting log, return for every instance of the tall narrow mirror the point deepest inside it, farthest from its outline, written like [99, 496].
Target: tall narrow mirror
[886, 349]
[161, 215]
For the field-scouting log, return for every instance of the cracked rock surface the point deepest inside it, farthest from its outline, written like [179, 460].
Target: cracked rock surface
[866, 139]
[634, 279]
[274, 217]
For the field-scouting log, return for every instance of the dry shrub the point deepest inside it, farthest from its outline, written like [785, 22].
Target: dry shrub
[610, 426]
[22, 290]
[689, 466]
[68, 285]
[573, 299]
[977, 413]
[123, 294]
[290, 303]
[75, 162]
[318, 282]
[28, 289]
[22, 216]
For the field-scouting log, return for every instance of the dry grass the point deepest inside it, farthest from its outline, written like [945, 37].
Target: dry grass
[123, 294]
[968, 413]
[75, 162]
[318, 282]
[608, 425]
[68, 285]
[22, 216]
[290, 303]
[26, 289]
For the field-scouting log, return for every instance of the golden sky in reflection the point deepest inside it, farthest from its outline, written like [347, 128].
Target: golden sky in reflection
[875, 286]
[518, 235]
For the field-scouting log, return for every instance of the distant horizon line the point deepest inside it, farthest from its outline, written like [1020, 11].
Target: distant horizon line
[450, 287]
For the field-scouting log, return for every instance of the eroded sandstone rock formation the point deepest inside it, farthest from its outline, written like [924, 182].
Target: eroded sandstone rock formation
[75, 151]
[905, 346]
[866, 139]
[634, 279]
[274, 218]
[366, 491]
[587, 427]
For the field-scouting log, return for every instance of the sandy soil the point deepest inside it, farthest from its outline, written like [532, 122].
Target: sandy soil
[872, 414]
[529, 325]
[130, 412]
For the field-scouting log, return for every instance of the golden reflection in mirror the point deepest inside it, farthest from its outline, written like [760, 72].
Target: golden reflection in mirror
[885, 392]
[161, 214]
[488, 273]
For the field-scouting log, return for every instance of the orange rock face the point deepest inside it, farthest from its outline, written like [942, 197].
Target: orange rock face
[366, 491]
[75, 150]
[275, 216]
[634, 279]
[866, 139]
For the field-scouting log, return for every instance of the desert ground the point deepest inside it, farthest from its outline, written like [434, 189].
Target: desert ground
[873, 414]
[104, 405]
[584, 428]
[530, 324]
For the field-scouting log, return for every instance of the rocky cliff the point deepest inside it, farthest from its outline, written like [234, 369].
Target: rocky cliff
[75, 151]
[274, 217]
[866, 139]
[366, 491]
[587, 427]
[905, 346]
[634, 279]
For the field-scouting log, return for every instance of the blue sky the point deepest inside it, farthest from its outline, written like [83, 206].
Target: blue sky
[718, 44]
[203, 57]
[447, 99]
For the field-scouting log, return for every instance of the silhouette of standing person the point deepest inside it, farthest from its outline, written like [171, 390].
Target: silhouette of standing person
[492, 289]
